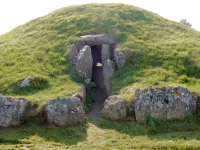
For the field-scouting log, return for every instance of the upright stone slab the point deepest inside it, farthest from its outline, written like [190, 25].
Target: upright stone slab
[164, 103]
[105, 53]
[108, 71]
[73, 54]
[119, 59]
[65, 111]
[84, 63]
[11, 110]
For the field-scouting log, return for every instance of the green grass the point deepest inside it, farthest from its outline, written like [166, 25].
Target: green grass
[159, 52]
[104, 134]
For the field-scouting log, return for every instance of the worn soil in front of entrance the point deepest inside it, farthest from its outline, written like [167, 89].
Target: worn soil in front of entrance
[97, 105]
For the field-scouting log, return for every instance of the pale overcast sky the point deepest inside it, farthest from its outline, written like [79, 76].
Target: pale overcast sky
[16, 12]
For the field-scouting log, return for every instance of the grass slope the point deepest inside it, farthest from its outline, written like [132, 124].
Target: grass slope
[160, 52]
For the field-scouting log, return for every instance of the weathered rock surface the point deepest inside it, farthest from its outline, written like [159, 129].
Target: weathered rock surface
[84, 63]
[108, 71]
[119, 59]
[11, 110]
[114, 108]
[81, 94]
[164, 103]
[73, 54]
[25, 82]
[98, 39]
[87, 84]
[65, 111]
[105, 53]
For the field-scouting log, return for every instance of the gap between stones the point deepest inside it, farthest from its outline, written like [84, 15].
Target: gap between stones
[98, 79]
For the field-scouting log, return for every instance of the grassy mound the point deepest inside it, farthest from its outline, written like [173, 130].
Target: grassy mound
[160, 52]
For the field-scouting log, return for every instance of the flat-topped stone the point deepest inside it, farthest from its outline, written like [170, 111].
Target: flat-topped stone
[98, 39]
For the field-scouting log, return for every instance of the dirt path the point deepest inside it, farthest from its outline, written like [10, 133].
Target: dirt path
[97, 105]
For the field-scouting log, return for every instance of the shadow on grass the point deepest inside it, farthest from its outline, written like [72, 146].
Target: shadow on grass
[23, 134]
[29, 90]
[186, 129]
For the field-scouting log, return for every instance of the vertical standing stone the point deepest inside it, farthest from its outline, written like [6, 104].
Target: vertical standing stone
[84, 63]
[105, 53]
[108, 70]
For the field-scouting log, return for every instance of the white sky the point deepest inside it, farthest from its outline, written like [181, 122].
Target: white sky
[16, 12]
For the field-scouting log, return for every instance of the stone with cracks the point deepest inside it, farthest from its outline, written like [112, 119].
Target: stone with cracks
[119, 59]
[84, 63]
[98, 39]
[164, 103]
[65, 112]
[11, 110]
[105, 53]
[114, 109]
[73, 54]
[108, 71]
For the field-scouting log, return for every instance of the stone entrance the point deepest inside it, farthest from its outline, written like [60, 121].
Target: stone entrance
[94, 62]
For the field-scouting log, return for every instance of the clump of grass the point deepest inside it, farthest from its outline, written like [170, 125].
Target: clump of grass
[90, 97]
[156, 126]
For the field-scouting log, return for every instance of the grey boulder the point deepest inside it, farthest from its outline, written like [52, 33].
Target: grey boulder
[114, 109]
[65, 112]
[164, 103]
[11, 110]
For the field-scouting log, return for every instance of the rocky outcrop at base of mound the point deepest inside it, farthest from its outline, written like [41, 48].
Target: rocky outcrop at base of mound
[114, 109]
[64, 112]
[164, 103]
[11, 110]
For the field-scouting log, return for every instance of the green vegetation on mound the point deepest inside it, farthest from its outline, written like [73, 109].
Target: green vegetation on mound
[160, 53]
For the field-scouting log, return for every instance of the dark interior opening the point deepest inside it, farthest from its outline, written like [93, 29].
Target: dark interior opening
[98, 79]
[97, 69]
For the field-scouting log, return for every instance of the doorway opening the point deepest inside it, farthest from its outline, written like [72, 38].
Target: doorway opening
[98, 79]
[97, 68]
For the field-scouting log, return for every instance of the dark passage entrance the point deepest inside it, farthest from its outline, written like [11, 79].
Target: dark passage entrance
[97, 69]
[97, 77]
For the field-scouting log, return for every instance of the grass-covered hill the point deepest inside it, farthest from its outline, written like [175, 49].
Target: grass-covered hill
[159, 52]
